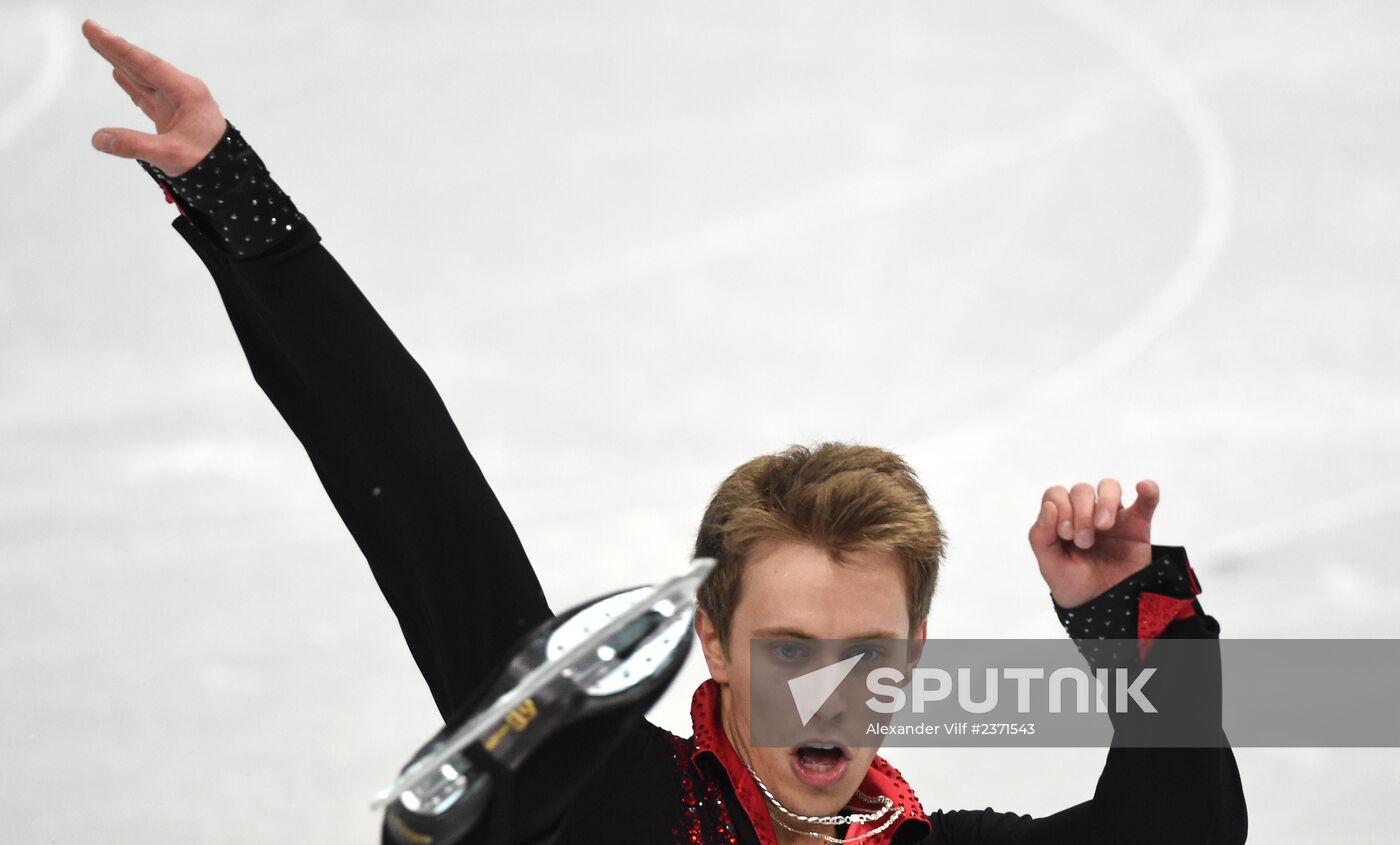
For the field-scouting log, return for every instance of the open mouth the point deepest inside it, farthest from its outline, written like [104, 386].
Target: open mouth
[820, 764]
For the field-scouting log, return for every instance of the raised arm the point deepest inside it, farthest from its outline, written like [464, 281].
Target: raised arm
[1117, 596]
[438, 542]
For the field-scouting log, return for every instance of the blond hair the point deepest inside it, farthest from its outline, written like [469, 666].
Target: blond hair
[838, 497]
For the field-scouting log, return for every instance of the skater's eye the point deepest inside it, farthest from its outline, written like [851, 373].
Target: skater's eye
[867, 651]
[789, 652]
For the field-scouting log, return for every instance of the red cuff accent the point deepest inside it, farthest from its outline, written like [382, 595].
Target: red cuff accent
[1155, 613]
[170, 197]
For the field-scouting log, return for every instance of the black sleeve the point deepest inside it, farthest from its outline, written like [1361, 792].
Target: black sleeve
[1144, 795]
[379, 437]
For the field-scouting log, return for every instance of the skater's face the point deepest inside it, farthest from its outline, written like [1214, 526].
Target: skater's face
[798, 595]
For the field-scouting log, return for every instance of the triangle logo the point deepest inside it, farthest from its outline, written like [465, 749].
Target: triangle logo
[810, 691]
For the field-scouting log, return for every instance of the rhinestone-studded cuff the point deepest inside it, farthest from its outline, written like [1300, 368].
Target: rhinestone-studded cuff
[1135, 611]
[232, 190]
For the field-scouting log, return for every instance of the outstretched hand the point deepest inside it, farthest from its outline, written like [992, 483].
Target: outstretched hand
[1085, 543]
[188, 122]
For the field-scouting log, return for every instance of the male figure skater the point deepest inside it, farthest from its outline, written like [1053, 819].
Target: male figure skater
[829, 542]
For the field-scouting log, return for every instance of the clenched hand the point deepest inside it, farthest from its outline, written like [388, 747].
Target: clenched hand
[1086, 541]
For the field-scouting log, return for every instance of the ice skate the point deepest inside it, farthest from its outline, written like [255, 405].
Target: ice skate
[614, 654]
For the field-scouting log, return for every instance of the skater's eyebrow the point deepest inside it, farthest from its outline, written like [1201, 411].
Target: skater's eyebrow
[786, 633]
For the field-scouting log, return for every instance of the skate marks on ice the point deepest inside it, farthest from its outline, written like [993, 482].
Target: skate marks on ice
[42, 32]
[979, 435]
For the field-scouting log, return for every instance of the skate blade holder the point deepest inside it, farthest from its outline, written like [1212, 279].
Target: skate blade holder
[598, 655]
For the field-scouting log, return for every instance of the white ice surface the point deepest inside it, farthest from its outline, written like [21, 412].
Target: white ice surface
[635, 244]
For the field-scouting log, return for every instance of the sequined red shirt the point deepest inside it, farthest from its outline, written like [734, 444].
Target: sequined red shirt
[706, 819]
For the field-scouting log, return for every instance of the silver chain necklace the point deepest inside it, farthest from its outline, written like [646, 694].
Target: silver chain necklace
[885, 802]
[833, 839]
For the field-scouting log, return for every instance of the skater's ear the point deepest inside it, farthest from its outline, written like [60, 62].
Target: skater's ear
[712, 646]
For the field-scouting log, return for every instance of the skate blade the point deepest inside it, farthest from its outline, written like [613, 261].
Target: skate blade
[604, 650]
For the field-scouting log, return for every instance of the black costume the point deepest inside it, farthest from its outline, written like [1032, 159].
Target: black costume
[448, 561]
